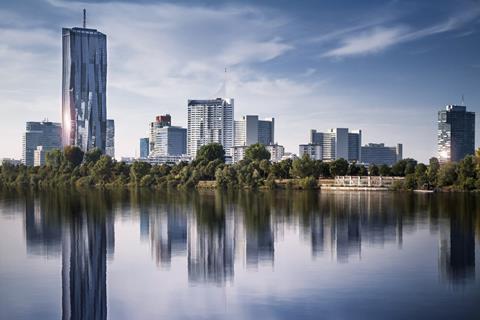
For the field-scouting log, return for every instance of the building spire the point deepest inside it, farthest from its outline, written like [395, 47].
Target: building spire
[84, 18]
[463, 100]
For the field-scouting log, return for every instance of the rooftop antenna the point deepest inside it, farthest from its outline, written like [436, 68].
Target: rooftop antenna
[84, 18]
[225, 85]
[463, 100]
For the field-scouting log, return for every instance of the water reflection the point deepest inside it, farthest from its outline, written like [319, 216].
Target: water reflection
[217, 232]
[83, 227]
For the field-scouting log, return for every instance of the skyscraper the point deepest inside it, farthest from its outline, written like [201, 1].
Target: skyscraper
[110, 144]
[210, 121]
[456, 133]
[46, 134]
[84, 85]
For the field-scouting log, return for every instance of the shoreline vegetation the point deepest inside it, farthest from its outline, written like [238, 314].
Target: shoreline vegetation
[71, 167]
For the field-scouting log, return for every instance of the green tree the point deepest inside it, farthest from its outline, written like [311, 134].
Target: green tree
[102, 170]
[363, 171]
[353, 169]
[384, 170]
[257, 152]
[211, 152]
[73, 155]
[432, 172]
[373, 170]
[138, 170]
[466, 172]
[421, 176]
[447, 175]
[339, 167]
[410, 182]
[302, 167]
[55, 157]
[92, 155]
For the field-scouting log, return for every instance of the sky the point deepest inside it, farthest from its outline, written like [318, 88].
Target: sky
[385, 67]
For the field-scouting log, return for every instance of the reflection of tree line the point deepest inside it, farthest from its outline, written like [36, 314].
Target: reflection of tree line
[215, 228]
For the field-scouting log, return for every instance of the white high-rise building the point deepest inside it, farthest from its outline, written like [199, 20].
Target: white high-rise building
[210, 121]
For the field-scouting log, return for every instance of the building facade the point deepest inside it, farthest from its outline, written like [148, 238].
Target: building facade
[110, 143]
[337, 143]
[45, 134]
[144, 147]
[84, 85]
[170, 141]
[276, 152]
[160, 122]
[378, 154]
[251, 130]
[210, 121]
[456, 133]
[314, 151]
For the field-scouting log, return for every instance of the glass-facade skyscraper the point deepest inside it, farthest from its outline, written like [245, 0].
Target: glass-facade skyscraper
[84, 85]
[456, 133]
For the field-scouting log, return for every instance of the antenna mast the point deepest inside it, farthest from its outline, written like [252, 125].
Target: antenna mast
[225, 85]
[463, 100]
[84, 18]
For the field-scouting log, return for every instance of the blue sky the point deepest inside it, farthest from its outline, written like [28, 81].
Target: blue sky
[385, 67]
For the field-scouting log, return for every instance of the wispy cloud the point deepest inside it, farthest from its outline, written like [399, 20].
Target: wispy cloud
[366, 39]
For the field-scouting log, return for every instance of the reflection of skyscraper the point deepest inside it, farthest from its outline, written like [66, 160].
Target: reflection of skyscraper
[211, 250]
[259, 244]
[43, 237]
[457, 250]
[168, 235]
[317, 234]
[84, 267]
[347, 236]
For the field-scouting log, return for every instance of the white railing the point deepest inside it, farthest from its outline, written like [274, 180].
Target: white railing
[366, 181]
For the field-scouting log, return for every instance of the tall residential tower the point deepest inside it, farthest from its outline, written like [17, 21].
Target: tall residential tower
[209, 121]
[84, 85]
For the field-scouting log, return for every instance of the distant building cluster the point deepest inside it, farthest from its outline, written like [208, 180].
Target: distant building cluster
[85, 124]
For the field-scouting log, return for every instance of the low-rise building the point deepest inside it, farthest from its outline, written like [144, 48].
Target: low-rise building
[314, 151]
[378, 154]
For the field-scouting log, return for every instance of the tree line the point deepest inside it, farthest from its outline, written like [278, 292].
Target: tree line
[72, 167]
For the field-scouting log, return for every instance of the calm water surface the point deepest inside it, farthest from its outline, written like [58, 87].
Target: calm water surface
[217, 255]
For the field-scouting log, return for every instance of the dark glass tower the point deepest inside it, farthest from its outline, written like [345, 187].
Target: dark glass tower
[456, 133]
[84, 85]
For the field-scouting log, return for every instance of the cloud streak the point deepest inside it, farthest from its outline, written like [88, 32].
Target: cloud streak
[366, 39]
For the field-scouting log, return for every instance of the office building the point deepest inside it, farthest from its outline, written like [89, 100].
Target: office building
[251, 130]
[160, 122]
[210, 121]
[276, 152]
[456, 133]
[378, 154]
[338, 143]
[45, 134]
[110, 146]
[314, 151]
[169, 141]
[84, 85]
[144, 147]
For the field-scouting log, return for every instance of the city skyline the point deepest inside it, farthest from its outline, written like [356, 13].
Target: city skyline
[402, 74]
